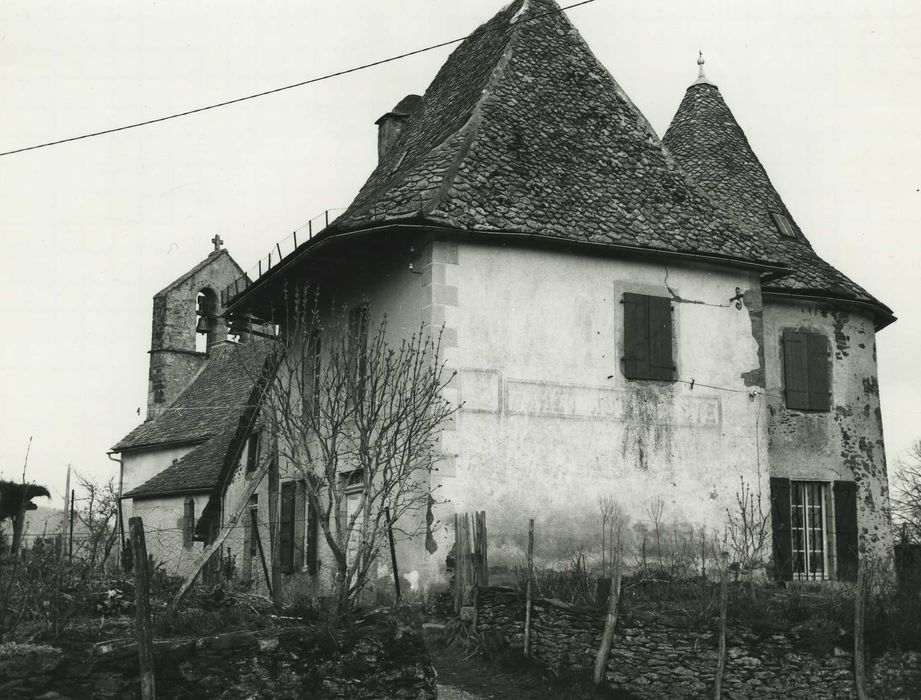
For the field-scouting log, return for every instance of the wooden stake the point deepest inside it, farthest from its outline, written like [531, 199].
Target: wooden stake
[255, 533]
[721, 653]
[66, 514]
[142, 606]
[860, 681]
[393, 555]
[527, 610]
[70, 539]
[607, 639]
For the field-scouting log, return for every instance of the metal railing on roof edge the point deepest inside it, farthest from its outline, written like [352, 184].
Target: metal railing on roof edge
[279, 252]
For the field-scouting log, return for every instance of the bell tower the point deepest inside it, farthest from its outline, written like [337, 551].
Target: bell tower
[187, 322]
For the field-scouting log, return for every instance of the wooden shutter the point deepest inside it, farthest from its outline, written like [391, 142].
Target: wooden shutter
[817, 364]
[312, 540]
[846, 530]
[661, 363]
[252, 452]
[286, 527]
[796, 383]
[636, 336]
[299, 523]
[188, 530]
[780, 529]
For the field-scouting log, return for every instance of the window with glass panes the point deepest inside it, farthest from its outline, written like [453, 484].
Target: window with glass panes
[808, 516]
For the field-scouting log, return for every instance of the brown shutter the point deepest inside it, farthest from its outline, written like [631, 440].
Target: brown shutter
[661, 362]
[286, 527]
[817, 363]
[796, 384]
[780, 529]
[846, 530]
[636, 336]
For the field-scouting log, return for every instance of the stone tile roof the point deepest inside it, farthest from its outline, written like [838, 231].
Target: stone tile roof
[524, 131]
[211, 402]
[709, 144]
[198, 470]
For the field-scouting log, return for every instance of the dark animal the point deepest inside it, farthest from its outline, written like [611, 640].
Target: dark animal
[12, 494]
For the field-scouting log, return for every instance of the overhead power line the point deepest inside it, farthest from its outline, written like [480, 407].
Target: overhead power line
[236, 100]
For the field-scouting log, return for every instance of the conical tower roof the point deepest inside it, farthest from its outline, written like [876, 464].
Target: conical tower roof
[524, 131]
[708, 143]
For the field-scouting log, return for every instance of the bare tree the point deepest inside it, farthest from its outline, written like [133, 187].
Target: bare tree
[655, 509]
[906, 493]
[614, 521]
[99, 516]
[357, 419]
[747, 529]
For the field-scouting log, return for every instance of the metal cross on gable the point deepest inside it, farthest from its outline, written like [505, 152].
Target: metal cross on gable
[217, 240]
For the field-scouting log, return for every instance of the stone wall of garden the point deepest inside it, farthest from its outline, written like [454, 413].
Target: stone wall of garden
[652, 658]
[290, 663]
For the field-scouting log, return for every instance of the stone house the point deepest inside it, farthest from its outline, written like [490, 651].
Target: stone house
[628, 317]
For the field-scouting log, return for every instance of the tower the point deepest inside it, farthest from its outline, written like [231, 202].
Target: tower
[187, 321]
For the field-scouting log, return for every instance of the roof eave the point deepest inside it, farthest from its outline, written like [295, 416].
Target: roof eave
[882, 314]
[163, 494]
[335, 233]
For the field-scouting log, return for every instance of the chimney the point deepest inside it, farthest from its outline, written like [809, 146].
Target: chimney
[391, 124]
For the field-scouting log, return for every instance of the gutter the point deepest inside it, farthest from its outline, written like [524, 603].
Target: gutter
[317, 243]
[121, 520]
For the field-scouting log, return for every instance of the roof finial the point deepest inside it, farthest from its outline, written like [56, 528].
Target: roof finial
[701, 76]
[217, 242]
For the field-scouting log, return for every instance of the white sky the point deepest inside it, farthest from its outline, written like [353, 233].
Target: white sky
[829, 94]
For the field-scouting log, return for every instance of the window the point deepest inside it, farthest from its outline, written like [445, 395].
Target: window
[286, 526]
[252, 452]
[354, 503]
[814, 534]
[806, 371]
[648, 337]
[783, 225]
[188, 521]
[358, 340]
[314, 352]
[253, 520]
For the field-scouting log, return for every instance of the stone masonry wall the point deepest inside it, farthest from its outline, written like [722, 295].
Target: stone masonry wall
[292, 663]
[653, 659]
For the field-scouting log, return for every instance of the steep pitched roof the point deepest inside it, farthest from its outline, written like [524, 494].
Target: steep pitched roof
[198, 470]
[211, 402]
[524, 131]
[709, 144]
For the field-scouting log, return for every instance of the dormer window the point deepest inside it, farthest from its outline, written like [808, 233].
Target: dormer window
[783, 225]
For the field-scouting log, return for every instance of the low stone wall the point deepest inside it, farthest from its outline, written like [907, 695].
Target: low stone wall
[653, 659]
[374, 662]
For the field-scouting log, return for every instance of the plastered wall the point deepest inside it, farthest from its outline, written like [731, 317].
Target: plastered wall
[845, 443]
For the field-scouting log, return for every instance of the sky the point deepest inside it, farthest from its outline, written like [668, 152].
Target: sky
[828, 93]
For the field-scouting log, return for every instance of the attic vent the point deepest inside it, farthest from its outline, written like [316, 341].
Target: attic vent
[783, 225]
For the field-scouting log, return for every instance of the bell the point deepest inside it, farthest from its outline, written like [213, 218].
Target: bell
[204, 325]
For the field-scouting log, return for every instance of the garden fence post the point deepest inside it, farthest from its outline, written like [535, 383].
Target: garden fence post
[527, 611]
[601, 660]
[142, 605]
[721, 653]
[860, 681]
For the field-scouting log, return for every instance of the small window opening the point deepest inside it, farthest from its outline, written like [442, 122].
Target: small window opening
[252, 452]
[188, 529]
[783, 225]
[206, 319]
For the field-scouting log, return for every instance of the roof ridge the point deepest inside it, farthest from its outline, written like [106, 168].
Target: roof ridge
[472, 125]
